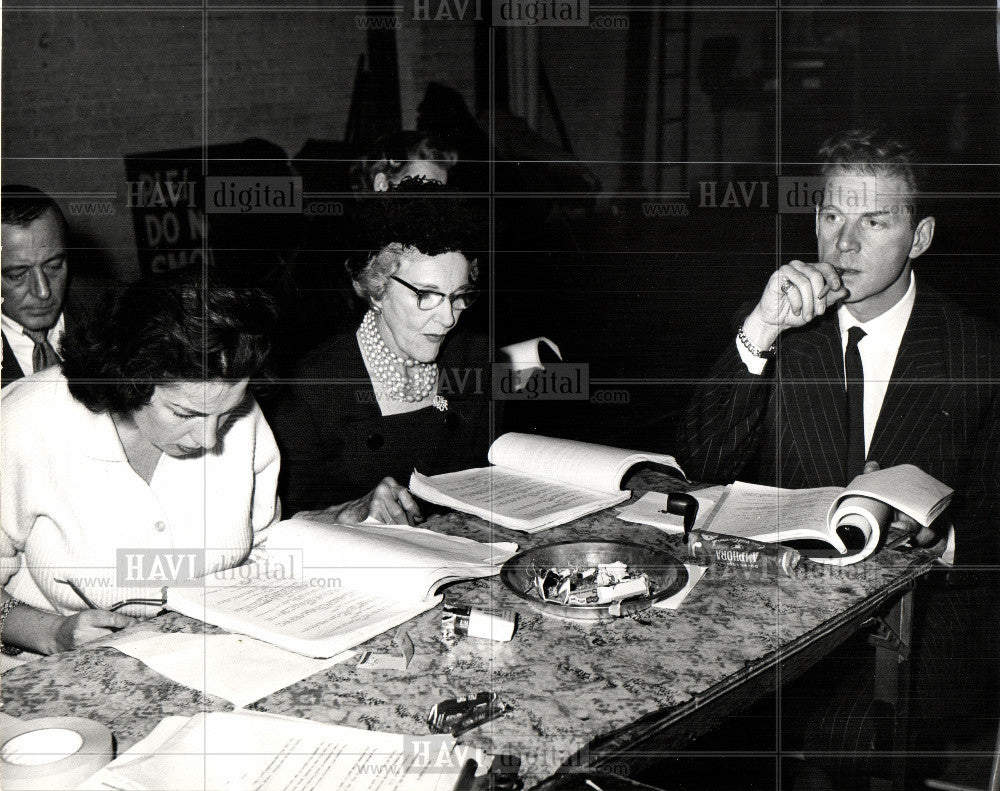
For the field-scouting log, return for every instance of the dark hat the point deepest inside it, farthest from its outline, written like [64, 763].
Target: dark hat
[422, 214]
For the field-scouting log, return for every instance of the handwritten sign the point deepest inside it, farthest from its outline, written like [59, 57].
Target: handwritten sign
[175, 226]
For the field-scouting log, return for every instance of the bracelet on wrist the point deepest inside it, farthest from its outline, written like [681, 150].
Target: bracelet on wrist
[5, 609]
[755, 350]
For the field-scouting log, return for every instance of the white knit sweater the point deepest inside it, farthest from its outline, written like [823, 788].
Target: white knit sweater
[71, 507]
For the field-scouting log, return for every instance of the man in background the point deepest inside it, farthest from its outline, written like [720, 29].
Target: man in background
[34, 279]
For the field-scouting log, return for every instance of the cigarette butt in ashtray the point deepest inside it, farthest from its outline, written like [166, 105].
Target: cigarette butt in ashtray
[626, 589]
[467, 621]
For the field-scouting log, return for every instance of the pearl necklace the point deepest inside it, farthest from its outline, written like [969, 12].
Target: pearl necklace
[415, 382]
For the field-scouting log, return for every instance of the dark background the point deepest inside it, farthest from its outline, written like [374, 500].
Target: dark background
[582, 130]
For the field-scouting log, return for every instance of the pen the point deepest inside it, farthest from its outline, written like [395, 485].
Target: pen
[79, 592]
[118, 605]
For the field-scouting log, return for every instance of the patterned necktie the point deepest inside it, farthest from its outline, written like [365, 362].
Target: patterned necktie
[43, 355]
[855, 404]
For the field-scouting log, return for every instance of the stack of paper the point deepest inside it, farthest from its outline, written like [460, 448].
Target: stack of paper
[323, 588]
[244, 749]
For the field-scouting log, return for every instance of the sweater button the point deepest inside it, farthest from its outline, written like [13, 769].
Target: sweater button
[160, 527]
[375, 441]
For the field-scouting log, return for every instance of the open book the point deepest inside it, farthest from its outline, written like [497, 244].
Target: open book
[850, 522]
[537, 482]
[322, 588]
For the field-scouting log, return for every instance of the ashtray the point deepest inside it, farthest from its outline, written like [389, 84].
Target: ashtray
[666, 575]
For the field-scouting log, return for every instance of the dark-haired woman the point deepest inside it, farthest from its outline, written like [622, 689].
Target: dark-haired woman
[146, 450]
[405, 390]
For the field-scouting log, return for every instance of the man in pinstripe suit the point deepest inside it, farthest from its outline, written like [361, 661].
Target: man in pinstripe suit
[775, 408]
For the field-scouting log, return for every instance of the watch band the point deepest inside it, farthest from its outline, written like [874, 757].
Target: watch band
[5, 609]
[751, 347]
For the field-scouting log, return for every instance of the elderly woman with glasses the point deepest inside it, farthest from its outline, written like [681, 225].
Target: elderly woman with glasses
[407, 389]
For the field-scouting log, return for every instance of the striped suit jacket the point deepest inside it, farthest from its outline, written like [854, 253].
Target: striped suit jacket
[786, 428]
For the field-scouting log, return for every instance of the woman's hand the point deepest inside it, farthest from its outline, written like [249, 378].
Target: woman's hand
[84, 627]
[388, 503]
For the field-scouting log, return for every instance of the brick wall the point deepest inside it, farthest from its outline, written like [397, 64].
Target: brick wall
[83, 88]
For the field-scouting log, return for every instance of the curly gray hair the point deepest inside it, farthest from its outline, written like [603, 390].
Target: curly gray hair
[371, 281]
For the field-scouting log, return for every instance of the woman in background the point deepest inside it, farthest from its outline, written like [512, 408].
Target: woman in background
[402, 155]
[406, 389]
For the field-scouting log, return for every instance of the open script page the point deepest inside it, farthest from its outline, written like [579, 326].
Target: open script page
[512, 499]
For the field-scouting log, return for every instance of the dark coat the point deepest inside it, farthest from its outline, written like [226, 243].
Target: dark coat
[336, 445]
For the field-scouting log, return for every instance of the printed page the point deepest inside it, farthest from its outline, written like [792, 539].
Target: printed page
[582, 464]
[310, 619]
[511, 499]
[767, 513]
[867, 515]
[205, 662]
[392, 561]
[243, 750]
[906, 488]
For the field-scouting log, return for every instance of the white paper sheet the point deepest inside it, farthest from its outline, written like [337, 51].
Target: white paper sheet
[242, 749]
[648, 510]
[206, 662]
[695, 573]
[108, 779]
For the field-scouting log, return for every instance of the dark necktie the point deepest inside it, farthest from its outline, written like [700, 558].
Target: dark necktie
[43, 355]
[855, 404]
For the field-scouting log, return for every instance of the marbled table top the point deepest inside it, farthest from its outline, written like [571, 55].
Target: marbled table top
[567, 682]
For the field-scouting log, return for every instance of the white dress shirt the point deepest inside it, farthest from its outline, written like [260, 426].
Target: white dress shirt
[22, 346]
[878, 350]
